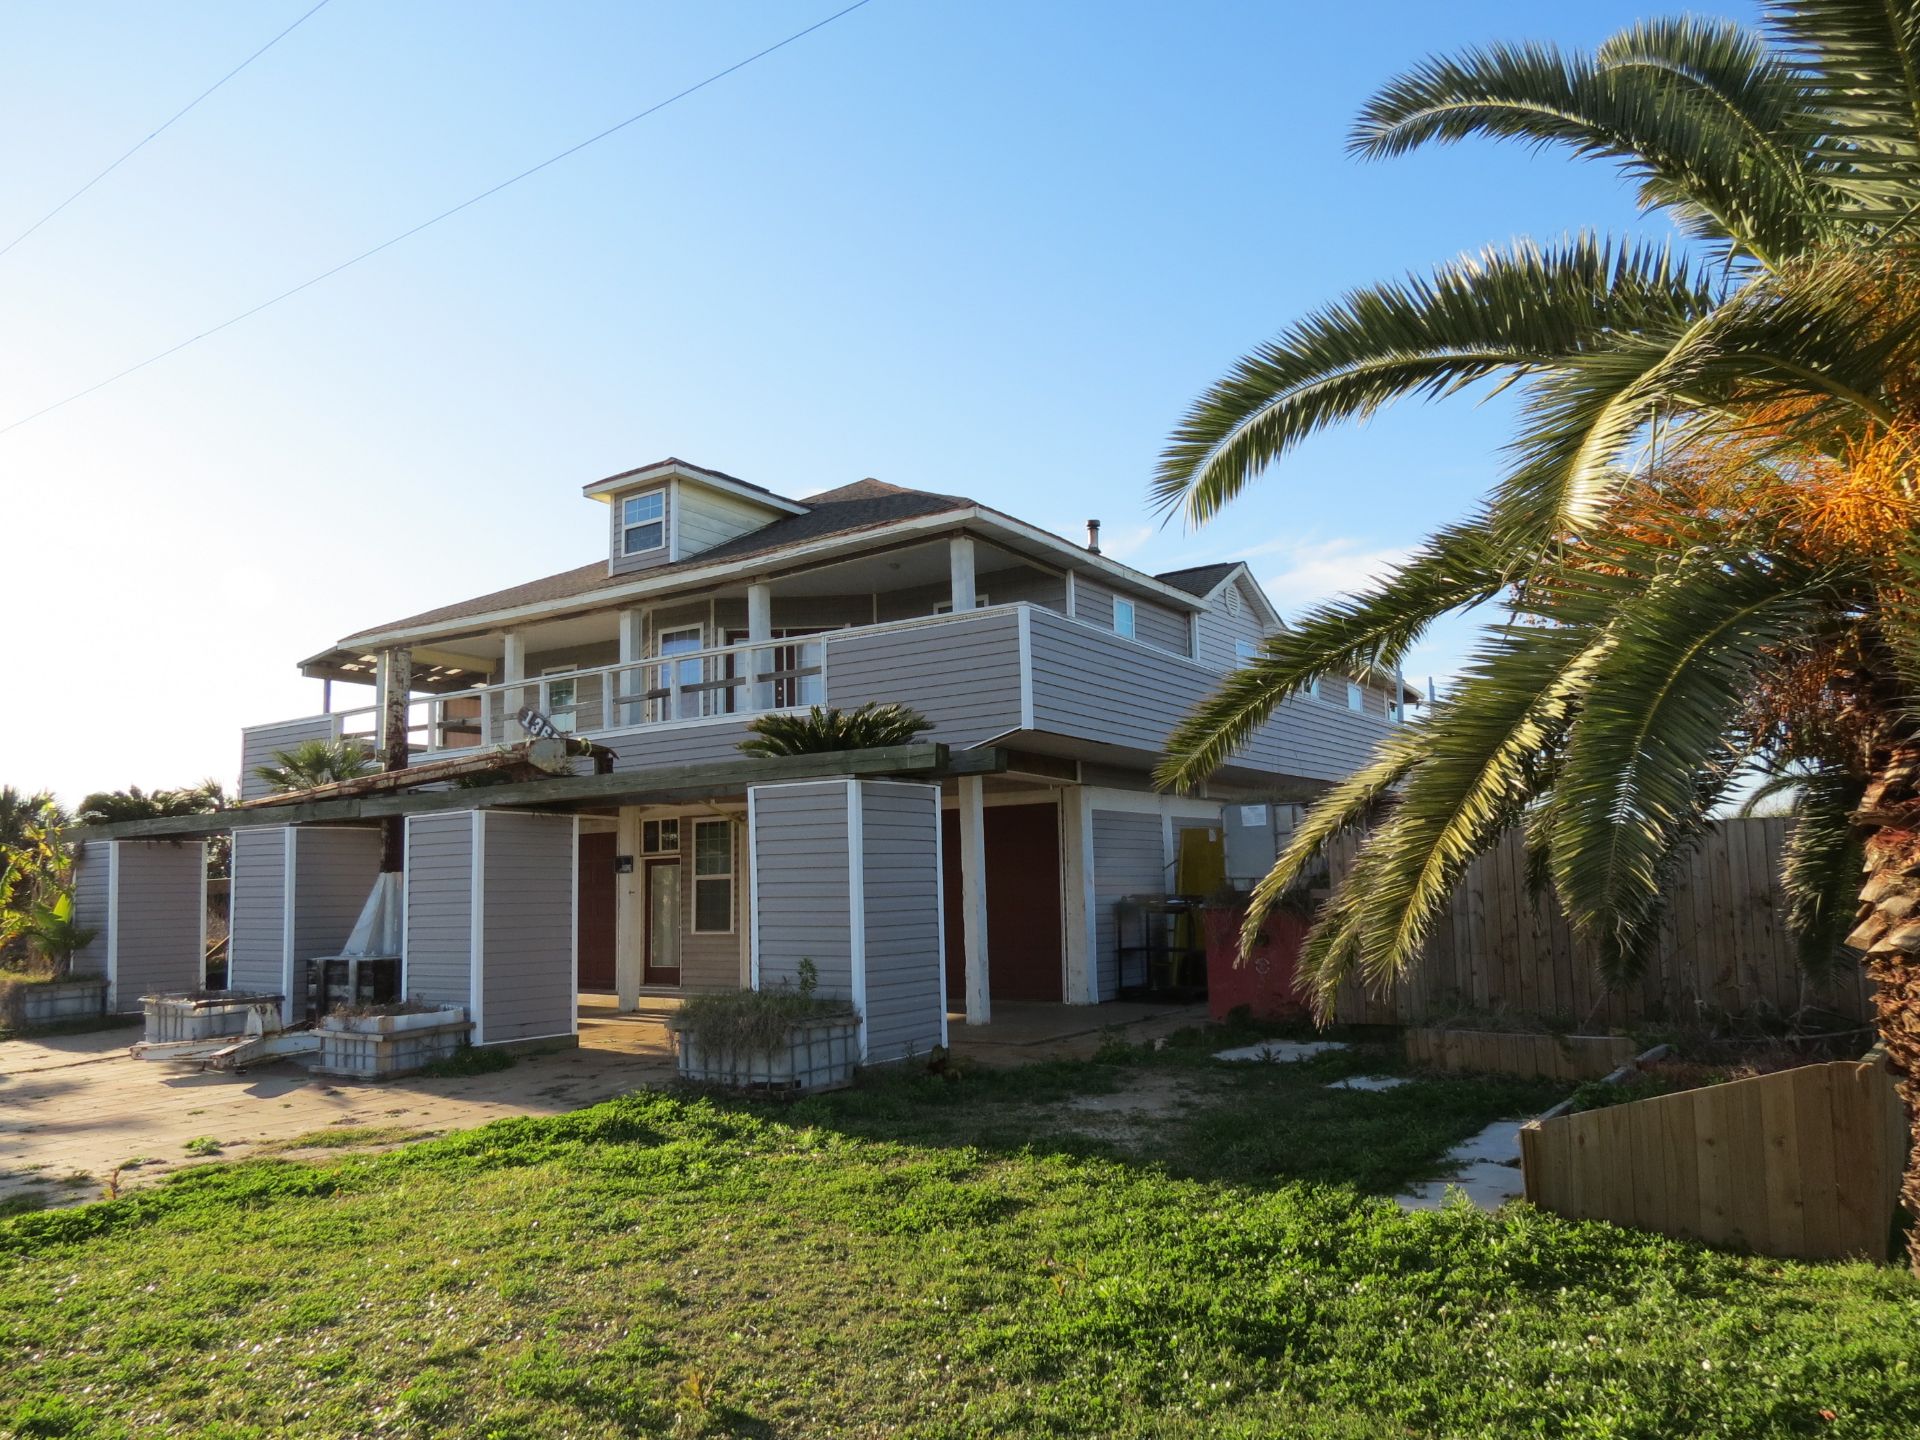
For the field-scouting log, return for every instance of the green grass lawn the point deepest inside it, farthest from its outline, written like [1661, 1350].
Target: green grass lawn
[1005, 1253]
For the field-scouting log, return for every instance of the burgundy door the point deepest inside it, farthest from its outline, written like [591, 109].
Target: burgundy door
[596, 911]
[1023, 903]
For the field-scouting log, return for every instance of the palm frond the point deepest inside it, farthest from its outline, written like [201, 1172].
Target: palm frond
[1821, 867]
[1713, 126]
[1652, 724]
[1506, 312]
[1455, 569]
[1862, 58]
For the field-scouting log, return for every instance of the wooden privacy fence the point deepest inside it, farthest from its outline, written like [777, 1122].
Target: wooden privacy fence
[1802, 1163]
[1551, 1057]
[1724, 945]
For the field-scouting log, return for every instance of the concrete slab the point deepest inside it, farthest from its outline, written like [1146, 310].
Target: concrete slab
[1485, 1184]
[1024, 1030]
[1369, 1082]
[1499, 1142]
[1278, 1052]
[74, 1108]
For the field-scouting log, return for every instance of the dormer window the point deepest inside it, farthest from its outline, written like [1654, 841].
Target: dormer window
[643, 522]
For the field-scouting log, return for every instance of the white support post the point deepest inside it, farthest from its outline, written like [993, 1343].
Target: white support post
[973, 896]
[513, 669]
[633, 649]
[960, 568]
[1081, 911]
[759, 632]
[629, 912]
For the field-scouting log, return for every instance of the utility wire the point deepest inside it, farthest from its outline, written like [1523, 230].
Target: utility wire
[447, 214]
[155, 135]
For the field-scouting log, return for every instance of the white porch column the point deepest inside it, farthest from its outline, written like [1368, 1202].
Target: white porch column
[759, 632]
[973, 895]
[1082, 912]
[513, 667]
[629, 915]
[960, 568]
[633, 649]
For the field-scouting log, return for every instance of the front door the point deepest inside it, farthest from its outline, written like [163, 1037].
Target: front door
[663, 922]
[596, 901]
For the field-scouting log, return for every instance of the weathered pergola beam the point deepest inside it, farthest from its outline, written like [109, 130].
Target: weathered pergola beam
[668, 783]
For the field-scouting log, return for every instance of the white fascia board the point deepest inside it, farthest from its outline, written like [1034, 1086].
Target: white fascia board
[605, 490]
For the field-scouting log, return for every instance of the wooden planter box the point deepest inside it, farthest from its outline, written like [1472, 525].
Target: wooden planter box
[1500, 1052]
[379, 1047]
[172, 1018]
[820, 1055]
[1803, 1164]
[51, 1002]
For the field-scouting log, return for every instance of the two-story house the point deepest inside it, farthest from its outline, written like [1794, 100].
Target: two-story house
[1059, 670]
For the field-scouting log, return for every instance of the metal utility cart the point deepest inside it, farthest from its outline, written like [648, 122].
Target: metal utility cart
[1162, 948]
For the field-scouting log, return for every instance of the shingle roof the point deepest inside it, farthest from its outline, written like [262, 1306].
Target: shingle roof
[863, 505]
[1198, 579]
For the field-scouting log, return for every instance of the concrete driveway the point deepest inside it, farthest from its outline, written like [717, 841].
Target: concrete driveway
[74, 1108]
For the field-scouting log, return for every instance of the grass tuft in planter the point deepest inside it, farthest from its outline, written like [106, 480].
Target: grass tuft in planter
[785, 1038]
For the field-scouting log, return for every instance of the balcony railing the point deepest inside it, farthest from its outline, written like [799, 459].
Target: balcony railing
[742, 679]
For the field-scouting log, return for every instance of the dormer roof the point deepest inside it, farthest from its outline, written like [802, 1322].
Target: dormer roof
[674, 468]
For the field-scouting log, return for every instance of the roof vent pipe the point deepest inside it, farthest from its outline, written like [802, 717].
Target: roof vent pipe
[1093, 537]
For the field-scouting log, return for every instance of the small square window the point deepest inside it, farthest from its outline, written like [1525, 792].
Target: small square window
[1356, 697]
[1123, 618]
[1245, 651]
[660, 837]
[643, 522]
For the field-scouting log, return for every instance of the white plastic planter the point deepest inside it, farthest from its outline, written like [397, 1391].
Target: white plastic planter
[379, 1047]
[818, 1055]
[191, 1015]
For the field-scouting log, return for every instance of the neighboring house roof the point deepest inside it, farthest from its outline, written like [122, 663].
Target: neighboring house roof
[1201, 580]
[863, 505]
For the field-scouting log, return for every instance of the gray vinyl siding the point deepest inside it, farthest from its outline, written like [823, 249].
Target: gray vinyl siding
[526, 959]
[257, 935]
[708, 960]
[333, 873]
[160, 919]
[687, 742]
[802, 884]
[1221, 631]
[1096, 686]
[962, 674]
[995, 587]
[1128, 859]
[619, 564]
[439, 907]
[900, 860]
[711, 517]
[1153, 624]
[90, 872]
[258, 743]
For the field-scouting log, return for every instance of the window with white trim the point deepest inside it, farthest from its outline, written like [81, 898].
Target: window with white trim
[1313, 688]
[945, 607]
[1245, 651]
[712, 877]
[643, 522]
[659, 837]
[1356, 697]
[1123, 617]
[559, 696]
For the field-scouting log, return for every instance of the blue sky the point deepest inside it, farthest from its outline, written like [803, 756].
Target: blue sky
[985, 248]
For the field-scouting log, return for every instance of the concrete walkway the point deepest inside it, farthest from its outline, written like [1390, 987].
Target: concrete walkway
[73, 1108]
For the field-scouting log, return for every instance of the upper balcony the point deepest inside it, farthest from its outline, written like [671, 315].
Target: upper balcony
[1042, 659]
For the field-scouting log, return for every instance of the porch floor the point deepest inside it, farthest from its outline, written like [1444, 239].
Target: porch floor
[1023, 1031]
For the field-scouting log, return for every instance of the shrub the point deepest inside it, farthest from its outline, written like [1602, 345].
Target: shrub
[756, 1022]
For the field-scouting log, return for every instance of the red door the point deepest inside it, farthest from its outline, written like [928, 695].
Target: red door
[1023, 903]
[596, 911]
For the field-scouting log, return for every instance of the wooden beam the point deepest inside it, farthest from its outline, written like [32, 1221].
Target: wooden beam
[662, 784]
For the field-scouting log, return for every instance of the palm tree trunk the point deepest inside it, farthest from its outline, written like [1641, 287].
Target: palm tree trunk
[1889, 931]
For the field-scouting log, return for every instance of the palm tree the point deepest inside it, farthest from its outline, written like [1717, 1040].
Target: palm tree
[18, 811]
[1704, 544]
[316, 762]
[818, 731]
[104, 807]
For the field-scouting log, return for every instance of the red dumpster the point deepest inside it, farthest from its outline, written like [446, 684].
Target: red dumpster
[1265, 983]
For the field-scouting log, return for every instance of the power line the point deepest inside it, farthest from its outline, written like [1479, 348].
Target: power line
[427, 224]
[158, 132]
